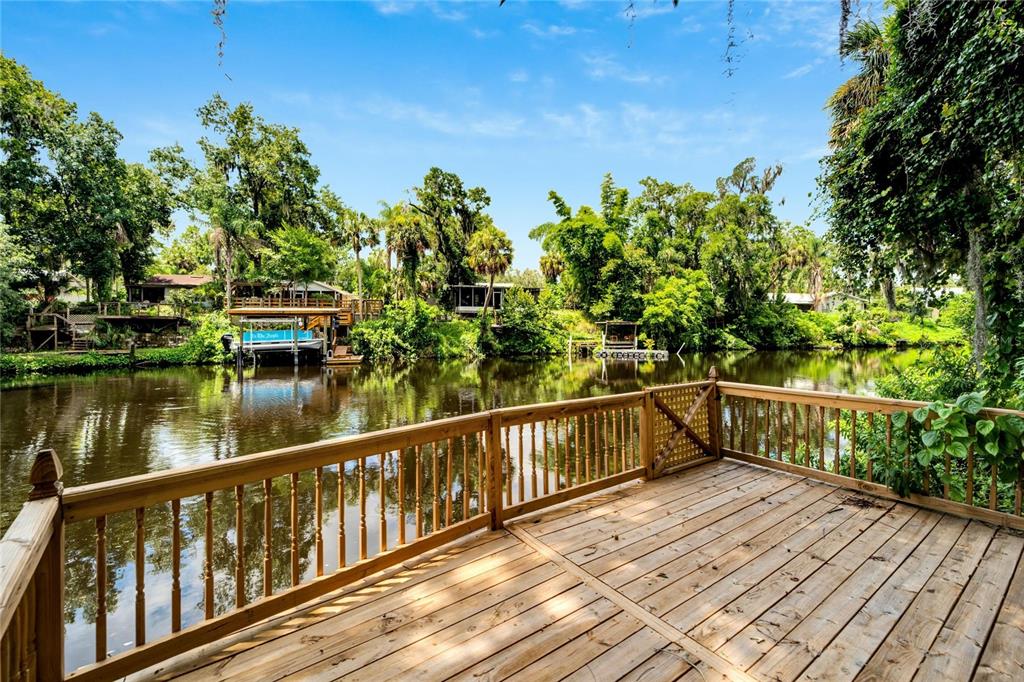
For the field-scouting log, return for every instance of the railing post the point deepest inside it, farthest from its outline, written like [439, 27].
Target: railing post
[494, 471]
[45, 479]
[715, 414]
[647, 433]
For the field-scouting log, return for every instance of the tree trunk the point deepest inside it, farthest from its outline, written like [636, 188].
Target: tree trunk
[359, 275]
[889, 292]
[228, 259]
[976, 282]
[487, 297]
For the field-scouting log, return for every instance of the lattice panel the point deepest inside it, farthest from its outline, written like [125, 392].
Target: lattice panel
[679, 401]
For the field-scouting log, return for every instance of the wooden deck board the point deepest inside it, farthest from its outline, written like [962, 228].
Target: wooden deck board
[769, 575]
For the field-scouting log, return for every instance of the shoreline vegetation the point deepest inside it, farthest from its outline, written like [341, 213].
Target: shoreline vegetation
[524, 328]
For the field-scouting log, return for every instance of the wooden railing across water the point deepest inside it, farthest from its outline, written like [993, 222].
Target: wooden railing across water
[394, 495]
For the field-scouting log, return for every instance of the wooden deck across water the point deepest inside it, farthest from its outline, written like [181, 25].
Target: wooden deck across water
[725, 571]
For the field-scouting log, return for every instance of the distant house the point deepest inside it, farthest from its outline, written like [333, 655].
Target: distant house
[157, 288]
[468, 299]
[829, 300]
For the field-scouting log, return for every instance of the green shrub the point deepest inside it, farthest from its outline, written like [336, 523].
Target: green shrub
[947, 373]
[527, 328]
[679, 310]
[958, 313]
[409, 329]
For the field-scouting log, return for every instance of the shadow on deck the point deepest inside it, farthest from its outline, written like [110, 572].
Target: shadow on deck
[725, 571]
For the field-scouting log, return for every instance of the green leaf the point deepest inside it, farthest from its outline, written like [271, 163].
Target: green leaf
[985, 426]
[924, 457]
[957, 449]
[971, 403]
[930, 438]
[939, 423]
[899, 419]
[1011, 424]
[920, 414]
[958, 431]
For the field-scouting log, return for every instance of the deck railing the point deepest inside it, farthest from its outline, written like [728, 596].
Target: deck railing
[271, 531]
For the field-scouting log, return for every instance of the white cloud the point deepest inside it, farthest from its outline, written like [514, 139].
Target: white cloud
[481, 34]
[480, 123]
[519, 76]
[549, 31]
[442, 10]
[603, 66]
[800, 71]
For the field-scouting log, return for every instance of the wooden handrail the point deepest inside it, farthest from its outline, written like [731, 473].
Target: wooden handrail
[124, 494]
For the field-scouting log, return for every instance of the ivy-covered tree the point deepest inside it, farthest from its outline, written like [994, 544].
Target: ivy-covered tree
[932, 171]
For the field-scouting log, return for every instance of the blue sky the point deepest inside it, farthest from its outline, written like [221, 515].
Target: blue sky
[521, 99]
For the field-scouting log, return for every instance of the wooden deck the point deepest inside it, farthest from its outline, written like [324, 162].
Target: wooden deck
[725, 571]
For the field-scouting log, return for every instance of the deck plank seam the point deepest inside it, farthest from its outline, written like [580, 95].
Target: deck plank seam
[702, 656]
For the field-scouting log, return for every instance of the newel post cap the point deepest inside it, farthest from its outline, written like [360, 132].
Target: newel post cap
[45, 475]
[713, 373]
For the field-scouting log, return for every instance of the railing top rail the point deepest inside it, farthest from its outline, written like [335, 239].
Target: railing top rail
[21, 549]
[832, 399]
[524, 414]
[123, 494]
[688, 384]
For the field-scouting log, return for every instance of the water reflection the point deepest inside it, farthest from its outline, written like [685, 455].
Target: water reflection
[106, 426]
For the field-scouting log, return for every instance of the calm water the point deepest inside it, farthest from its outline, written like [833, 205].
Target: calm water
[105, 426]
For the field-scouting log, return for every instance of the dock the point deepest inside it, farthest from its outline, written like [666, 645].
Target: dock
[702, 531]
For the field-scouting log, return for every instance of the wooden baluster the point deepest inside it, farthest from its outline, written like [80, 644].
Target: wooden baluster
[435, 519]
[208, 564]
[835, 469]
[768, 429]
[419, 491]
[621, 425]
[821, 437]
[782, 447]
[604, 441]
[318, 505]
[807, 436]
[268, 537]
[576, 440]
[557, 467]
[793, 429]
[522, 471]
[382, 496]
[888, 439]
[568, 443]
[175, 565]
[1018, 494]
[507, 474]
[239, 546]
[853, 444]
[544, 435]
[448, 484]
[969, 483]
[481, 474]
[362, 508]
[632, 440]
[101, 588]
[993, 489]
[465, 477]
[755, 445]
[533, 460]
[401, 496]
[342, 553]
[140, 576]
[586, 449]
[869, 472]
[730, 407]
[294, 514]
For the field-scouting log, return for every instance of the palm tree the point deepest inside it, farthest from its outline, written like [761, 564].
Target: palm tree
[866, 45]
[817, 261]
[490, 254]
[408, 236]
[552, 266]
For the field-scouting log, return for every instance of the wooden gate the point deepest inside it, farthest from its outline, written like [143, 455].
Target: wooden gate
[685, 424]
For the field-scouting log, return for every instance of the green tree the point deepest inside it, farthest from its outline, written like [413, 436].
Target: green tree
[408, 236]
[233, 228]
[189, 254]
[679, 310]
[298, 256]
[490, 254]
[349, 228]
[453, 213]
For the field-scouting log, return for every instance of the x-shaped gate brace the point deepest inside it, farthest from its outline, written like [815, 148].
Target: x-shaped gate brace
[683, 428]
